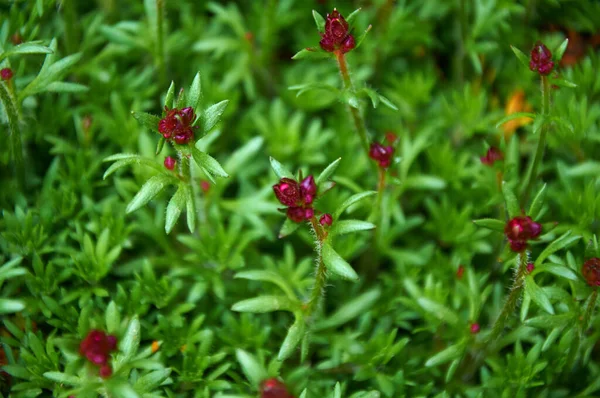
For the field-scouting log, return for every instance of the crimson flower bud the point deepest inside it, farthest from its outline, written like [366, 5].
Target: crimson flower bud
[541, 59]
[308, 189]
[183, 135]
[287, 191]
[519, 230]
[475, 328]
[97, 346]
[296, 214]
[6, 74]
[591, 271]
[105, 371]
[337, 34]
[382, 155]
[326, 219]
[273, 388]
[391, 137]
[187, 116]
[460, 272]
[530, 267]
[493, 154]
[205, 186]
[170, 163]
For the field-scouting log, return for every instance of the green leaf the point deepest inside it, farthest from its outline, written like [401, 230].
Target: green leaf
[292, 339]
[438, 310]
[170, 95]
[319, 21]
[312, 53]
[352, 309]
[361, 38]
[120, 388]
[551, 321]
[131, 341]
[536, 204]
[149, 190]
[9, 306]
[267, 276]
[263, 304]
[124, 159]
[524, 59]
[160, 145]
[515, 115]
[537, 294]
[113, 319]
[288, 228]
[350, 18]
[560, 51]
[18, 371]
[350, 201]
[349, 226]
[328, 171]
[452, 352]
[424, 182]
[66, 87]
[254, 371]
[195, 93]
[63, 378]
[147, 120]
[208, 163]
[212, 115]
[563, 83]
[490, 223]
[336, 264]
[562, 242]
[174, 208]
[280, 170]
[26, 48]
[190, 208]
[512, 204]
[558, 270]
[152, 380]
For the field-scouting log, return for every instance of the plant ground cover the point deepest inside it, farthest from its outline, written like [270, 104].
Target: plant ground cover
[293, 198]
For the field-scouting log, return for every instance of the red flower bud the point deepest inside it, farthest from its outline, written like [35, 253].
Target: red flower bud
[493, 154]
[177, 125]
[390, 137]
[296, 214]
[287, 191]
[337, 34]
[273, 388]
[591, 271]
[519, 230]
[183, 135]
[308, 189]
[326, 219]
[97, 346]
[541, 59]
[6, 74]
[475, 328]
[105, 371]
[205, 186]
[170, 163]
[530, 267]
[460, 271]
[382, 155]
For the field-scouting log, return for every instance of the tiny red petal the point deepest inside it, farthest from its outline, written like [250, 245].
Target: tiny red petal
[326, 219]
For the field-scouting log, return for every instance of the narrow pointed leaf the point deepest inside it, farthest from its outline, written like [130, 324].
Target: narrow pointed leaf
[336, 264]
[149, 190]
[292, 339]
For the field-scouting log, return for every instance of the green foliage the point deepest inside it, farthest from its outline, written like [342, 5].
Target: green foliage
[413, 290]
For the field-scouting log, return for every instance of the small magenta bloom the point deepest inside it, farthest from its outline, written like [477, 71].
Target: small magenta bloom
[382, 155]
[475, 328]
[170, 163]
[97, 346]
[105, 371]
[591, 271]
[492, 155]
[541, 59]
[287, 191]
[337, 35]
[326, 219]
[530, 267]
[298, 197]
[6, 74]
[177, 125]
[273, 388]
[519, 230]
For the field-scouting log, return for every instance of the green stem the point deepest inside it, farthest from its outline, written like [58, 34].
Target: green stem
[539, 152]
[12, 112]
[359, 123]
[589, 309]
[321, 275]
[512, 300]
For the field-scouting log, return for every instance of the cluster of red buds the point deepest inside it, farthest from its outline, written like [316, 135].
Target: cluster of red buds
[381, 154]
[541, 59]
[492, 155]
[6, 74]
[177, 125]
[337, 35]
[591, 271]
[298, 197]
[519, 230]
[273, 388]
[96, 347]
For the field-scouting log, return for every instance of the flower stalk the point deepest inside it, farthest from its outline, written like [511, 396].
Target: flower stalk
[11, 106]
[318, 290]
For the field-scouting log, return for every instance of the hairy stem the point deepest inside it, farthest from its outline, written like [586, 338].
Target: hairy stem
[539, 152]
[513, 298]
[359, 122]
[321, 274]
[12, 113]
